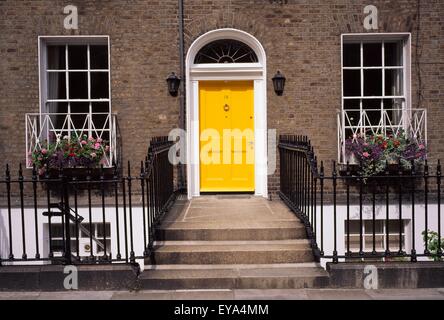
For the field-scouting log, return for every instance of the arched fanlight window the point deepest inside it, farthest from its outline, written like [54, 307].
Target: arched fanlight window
[226, 51]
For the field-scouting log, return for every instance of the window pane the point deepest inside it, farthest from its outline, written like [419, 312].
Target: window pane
[379, 242]
[393, 54]
[352, 118]
[352, 104]
[352, 108]
[72, 228]
[372, 54]
[354, 243]
[393, 114]
[394, 227]
[57, 245]
[86, 225]
[79, 118]
[57, 113]
[74, 246]
[99, 57]
[393, 82]
[101, 121]
[100, 230]
[372, 108]
[57, 107]
[394, 242]
[393, 103]
[354, 226]
[371, 104]
[56, 85]
[393, 109]
[99, 85]
[352, 55]
[369, 226]
[373, 82]
[108, 247]
[56, 230]
[77, 57]
[79, 107]
[226, 51]
[78, 85]
[100, 107]
[352, 83]
[56, 57]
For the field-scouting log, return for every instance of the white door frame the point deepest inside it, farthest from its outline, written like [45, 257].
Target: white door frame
[230, 71]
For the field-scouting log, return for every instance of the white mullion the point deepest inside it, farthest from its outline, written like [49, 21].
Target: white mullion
[383, 89]
[67, 89]
[404, 71]
[363, 235]
[341, 145]
[362, 68]
[89, 90]
[109, 76]
[361, 52]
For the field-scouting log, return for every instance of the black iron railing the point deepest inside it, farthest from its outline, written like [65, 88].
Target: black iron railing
[98, 217]
[393, 216]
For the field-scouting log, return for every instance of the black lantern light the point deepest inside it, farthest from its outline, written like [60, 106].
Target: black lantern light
[279, 83]
[173, 84]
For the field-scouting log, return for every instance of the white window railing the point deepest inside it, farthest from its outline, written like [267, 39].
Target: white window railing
[50, 128]
[355, 123]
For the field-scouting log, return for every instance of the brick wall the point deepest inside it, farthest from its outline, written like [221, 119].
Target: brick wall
[301, 38]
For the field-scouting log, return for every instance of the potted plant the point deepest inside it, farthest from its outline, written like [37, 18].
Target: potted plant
[378, 153]
[431, 238]
[70, 153]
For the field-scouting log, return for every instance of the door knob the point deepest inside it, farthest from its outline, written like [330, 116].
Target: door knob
[226, 107]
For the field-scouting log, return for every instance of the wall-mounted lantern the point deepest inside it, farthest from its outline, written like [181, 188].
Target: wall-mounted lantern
[173, 82]
[279, 83]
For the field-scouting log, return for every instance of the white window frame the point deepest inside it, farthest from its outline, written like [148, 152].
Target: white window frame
[84, 239]
[406, 67]
[370, 235]
[43, 42]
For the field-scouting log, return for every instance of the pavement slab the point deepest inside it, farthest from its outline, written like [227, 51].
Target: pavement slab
[237, 294]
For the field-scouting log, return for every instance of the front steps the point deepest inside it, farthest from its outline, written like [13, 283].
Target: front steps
[263, 276]
[219, 231]
[233, 252]
[234, 243]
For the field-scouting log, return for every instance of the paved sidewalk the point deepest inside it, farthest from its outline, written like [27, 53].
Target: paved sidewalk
[296, 294]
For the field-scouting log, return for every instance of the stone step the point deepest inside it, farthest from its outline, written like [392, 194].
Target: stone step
[272, 230]
[275, 276]
[232, 252]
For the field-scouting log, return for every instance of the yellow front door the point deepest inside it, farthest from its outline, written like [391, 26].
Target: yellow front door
[226, 111]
